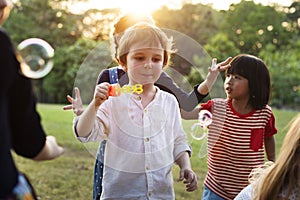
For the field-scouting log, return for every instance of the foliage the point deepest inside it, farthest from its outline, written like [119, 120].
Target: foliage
[60, 81]
[198, 22]
[251, 27]
[219, 46]
[39, 19]
[271, 32]
[294, 14]
[285, 74]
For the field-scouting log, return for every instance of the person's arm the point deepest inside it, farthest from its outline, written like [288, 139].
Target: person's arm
[186, 174]
[270, 148]
[187, 101]
[28, 138]
[269, 140]
[76, 103]
[50, 150]
[190, 115]
[213, 74]
[86, 120]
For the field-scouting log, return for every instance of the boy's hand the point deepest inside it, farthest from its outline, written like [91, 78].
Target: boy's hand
[189, 178]
[101, 93]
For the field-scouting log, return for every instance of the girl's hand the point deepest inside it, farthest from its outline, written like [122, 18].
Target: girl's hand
[214, 71]
[76, 104]
[101, 93]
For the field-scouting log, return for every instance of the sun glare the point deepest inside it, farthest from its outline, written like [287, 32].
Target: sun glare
[138, 6]
[147, 6]
[132, 6]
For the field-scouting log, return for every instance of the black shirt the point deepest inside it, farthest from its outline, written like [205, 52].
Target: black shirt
[20, 127]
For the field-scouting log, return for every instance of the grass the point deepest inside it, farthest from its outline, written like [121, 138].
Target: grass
[70, 176]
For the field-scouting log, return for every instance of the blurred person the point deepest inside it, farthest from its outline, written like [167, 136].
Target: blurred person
[20, 126]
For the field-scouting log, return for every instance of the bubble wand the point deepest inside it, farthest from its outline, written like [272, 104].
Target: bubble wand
[115, 89]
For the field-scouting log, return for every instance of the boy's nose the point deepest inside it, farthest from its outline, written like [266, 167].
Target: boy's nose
[148, 65]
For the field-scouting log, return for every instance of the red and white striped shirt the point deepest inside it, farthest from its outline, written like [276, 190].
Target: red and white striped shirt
[235, 145]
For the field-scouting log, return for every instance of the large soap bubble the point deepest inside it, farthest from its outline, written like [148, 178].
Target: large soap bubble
[35, 56]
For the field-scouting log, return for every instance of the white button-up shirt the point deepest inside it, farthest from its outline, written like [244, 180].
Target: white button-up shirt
[142, 145]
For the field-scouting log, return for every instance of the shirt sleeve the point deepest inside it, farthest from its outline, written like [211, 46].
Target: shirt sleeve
[100, 129]
[180, 143]
[207, 106]
[270, 128]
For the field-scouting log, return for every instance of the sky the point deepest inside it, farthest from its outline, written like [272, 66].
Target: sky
[147, 6]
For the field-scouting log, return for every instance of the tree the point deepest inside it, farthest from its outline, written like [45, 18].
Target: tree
[220, 47]
[194, 25]
[284, 70]
[252, 26]
[79, 62]
[294, 15]
[37, 18]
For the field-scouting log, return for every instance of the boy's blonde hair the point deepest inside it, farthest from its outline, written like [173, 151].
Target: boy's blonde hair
[121, 24]
[150, 36]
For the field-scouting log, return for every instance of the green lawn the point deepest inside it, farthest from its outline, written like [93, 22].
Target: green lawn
[71, 175]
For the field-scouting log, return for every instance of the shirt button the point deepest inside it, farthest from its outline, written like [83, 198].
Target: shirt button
[145, 111]
[146, 139]
[147, 168]
[139, 98]
[149, 194]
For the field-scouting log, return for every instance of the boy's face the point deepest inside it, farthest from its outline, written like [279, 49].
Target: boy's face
[144, 64]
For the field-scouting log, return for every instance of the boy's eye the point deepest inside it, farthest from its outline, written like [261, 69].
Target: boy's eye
[140, 58]
[156, 59]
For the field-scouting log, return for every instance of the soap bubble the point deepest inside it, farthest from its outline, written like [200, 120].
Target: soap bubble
[205, 118]
[35, 56]
[200, 129]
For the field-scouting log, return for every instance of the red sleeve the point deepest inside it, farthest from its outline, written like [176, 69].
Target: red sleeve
[207, 106]
[270, 127]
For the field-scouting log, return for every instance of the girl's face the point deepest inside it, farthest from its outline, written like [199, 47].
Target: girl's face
[236, 87]
[144, 65]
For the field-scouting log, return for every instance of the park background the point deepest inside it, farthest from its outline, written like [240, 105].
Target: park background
[270, 32]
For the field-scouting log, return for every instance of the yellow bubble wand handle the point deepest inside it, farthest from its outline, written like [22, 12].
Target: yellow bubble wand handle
[116, 89]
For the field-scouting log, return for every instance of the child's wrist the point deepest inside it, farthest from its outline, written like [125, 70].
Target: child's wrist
[203, 88]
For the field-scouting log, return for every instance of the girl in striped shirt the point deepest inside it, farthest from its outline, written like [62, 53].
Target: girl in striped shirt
[242, 128]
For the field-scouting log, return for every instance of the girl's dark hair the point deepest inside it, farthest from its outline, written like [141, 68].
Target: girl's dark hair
[257, 74]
